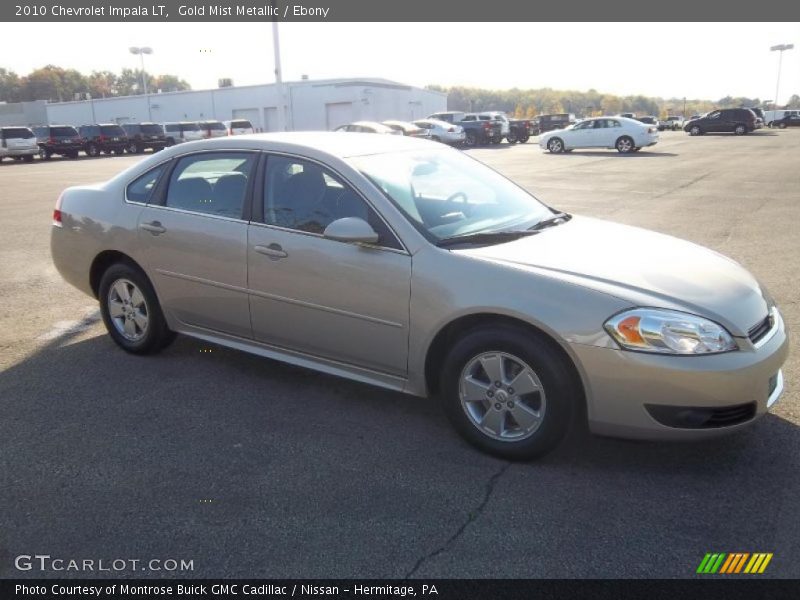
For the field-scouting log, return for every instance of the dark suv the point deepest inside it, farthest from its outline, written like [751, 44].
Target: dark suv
[729, 120]
[58, 139]
[144, 135]
[105, 137]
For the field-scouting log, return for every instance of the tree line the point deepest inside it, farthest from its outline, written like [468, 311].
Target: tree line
[526, 104]
[56, 84]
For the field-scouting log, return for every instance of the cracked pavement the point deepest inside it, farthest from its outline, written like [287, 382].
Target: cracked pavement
[251, 468]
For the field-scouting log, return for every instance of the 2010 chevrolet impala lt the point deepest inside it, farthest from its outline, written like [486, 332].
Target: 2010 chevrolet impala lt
[411, 266]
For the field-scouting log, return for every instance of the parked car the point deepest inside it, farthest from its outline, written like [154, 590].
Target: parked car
[551, 122]
[58, 139]
[18, 143]
[183, 131]
[379, 258]
[409, 129]
[730, 120]
[629, 115]
[476, 132]
[103, 137]
[145, 135]
[239, 127]
[520, 130]
[368, 127]
[499, 117]
[442, 131]
[212, 129]
[626, 135]
[792, 119]
[770, 116]
[673, 123]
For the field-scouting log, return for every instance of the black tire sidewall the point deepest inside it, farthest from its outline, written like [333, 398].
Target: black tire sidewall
[541, 357]
[158, 335]
[624, 137]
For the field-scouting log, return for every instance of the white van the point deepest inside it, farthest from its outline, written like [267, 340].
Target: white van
[239, 127]
[182, 131]
[19, 143]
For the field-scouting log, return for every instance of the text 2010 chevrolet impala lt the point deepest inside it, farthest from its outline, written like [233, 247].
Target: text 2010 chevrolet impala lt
[411, 266]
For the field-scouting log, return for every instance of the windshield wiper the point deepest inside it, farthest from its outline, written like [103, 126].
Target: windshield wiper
[486, 237]
[556, 219]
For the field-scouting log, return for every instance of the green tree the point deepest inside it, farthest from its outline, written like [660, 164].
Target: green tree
[10, 86]
[171, 83]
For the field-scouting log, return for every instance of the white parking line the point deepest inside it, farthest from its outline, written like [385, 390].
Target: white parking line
[62, 328]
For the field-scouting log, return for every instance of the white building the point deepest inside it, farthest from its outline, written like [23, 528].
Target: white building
[308, 105]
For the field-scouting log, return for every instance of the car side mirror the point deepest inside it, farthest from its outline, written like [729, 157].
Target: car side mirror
[352, 230]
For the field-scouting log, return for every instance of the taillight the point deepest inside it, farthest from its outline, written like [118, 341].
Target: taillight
[487, 126]
[51, 140]
[451, 130]
[57, 212]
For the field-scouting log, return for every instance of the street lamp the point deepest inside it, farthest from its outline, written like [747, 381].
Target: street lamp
[779, 48]
[141, 51]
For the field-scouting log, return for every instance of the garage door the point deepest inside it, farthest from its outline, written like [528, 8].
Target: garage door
[338, 113]
[251, 114]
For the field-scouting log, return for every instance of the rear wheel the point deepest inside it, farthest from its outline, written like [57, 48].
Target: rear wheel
[92, 150]
[471, 140]
[555, 145]
[131, 311]
[624, 145]
[132, 148]
[781, 125]
[508, 392]
[72, 154]
[45, 154]
[511, 138]
[740, 129]
[524, 138]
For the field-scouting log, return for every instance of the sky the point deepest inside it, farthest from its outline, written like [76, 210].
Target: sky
[693, 60]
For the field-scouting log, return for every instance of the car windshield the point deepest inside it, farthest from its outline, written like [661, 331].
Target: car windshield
[152, 129]
[190, 127]
[445, 193]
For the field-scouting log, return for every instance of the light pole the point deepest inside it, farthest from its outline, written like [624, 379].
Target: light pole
[779, 48]
[141, 51]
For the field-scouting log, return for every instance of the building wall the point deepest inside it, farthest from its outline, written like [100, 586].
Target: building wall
[305, 105]
[23, 113]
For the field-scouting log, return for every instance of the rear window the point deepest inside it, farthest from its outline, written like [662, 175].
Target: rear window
[173, 127]
[152, 129]
[215, 125]
[131, 129]
[17, 133]
[63, 132]
[241, 125]
[189, 127]
[112, 130]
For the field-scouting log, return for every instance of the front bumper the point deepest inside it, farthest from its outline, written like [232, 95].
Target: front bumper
[621, 385]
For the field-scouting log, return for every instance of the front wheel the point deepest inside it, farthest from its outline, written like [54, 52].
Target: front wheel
[555, 145]
[695, 130]
[131, 312]
[508, 392]
[92, 150]
[511, 138]
[45, 154]
[624, 145]
[28, 158]
[782, 126]
[471, 140]
[523, 139]
[740, 129]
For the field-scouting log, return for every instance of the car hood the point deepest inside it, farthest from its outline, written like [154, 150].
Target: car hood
[639, 266]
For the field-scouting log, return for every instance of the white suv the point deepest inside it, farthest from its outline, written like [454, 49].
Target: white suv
[18, 142]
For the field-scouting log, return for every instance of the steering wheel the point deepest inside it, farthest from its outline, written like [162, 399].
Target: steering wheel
[463, 206]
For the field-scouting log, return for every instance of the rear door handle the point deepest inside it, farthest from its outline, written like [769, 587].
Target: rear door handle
[274, 251]
[153, 227]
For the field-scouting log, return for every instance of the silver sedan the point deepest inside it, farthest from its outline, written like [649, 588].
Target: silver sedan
[414, 267]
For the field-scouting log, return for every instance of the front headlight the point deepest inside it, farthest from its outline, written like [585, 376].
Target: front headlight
[668, 332]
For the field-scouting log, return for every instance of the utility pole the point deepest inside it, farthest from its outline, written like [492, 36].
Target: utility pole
[779, 48]
[276, 45]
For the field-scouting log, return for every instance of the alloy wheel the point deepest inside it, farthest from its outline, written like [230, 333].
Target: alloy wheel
[128, 310]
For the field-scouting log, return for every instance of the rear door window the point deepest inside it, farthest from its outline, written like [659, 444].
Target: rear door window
[141, 188]
[63, 132]
[213, 183]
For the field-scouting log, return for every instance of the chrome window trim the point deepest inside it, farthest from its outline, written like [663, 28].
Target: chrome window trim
[193, 212]
[404, 252]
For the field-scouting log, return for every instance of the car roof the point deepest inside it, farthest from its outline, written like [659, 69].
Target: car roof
[335, 143]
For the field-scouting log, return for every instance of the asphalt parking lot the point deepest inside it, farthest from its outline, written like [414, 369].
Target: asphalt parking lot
[251, 468]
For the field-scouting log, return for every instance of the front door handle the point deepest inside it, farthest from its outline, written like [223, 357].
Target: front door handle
[153, 227]
[274, 251]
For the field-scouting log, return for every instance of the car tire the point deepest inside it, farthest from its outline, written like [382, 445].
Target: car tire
[471, 140]
[45, 154]
[72, 154]
[695, 130]
[478, 398]
[92, 150]
[781, 125]
[740, 129]
[555, 145]
[524, 139]
[637, 148]
[511, 138]
[131, 312]
[436, 138]
[624, 144]
[132, 148]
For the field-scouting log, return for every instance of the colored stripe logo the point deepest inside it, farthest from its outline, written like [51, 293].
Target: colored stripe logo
[734, 562]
